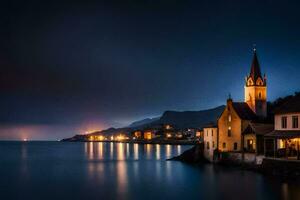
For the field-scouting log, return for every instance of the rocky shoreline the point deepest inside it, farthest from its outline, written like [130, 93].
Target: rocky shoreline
[192, 156]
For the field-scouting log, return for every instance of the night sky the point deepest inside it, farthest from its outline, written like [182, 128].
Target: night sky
[68, 67]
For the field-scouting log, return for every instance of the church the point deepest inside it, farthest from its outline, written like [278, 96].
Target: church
[240, 127]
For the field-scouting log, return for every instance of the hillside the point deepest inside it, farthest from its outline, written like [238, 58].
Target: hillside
[180, 120]
[143, 122]
[191, 119]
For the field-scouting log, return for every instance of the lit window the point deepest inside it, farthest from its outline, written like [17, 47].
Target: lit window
[229, 118]
[229, 131]
[283, 122]
[295, 121]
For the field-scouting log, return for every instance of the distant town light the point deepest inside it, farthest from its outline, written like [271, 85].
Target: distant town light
[168, 127]
[148, 135]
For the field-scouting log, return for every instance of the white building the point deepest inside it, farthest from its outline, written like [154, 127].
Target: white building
[284, 141]
[210, 139]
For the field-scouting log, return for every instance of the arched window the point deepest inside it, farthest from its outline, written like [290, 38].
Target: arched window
[250, 82]
[259, 81]
[259, 95]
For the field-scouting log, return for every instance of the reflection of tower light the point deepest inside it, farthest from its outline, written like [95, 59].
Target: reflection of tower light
[100, 150]
[157, 152]
[168, 151]
[136, 151]
[120, 151]
[178, 149]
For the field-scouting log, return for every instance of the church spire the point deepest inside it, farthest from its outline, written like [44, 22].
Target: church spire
[255, 68]
[256, 89]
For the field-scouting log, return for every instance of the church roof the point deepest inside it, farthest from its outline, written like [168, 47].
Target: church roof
[244, 111]
[255, 68]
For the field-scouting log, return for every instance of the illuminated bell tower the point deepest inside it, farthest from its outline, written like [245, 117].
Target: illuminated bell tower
[256, 89]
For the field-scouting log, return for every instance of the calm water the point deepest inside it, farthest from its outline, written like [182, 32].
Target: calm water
[55, 170]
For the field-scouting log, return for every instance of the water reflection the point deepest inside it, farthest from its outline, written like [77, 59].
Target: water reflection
[24, 157]
[103, 150]
[178, 149]
[117, 155]
[122, 178]
[127, 150]
[91, 150]
[120, 151]
[148, 151]
[136, 151]
[168, 151]
[24, 152]
[285, 191]
[100, 150]
[111, 150]
[157, 152]
[121, 171]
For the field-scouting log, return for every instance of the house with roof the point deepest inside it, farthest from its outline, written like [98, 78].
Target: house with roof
[284, 141]
[254, 137]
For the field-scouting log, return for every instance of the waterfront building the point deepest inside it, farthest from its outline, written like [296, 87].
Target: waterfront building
[210, 138]
[190, 133]
[169, 135]
[284, 141]
[137, 134]
[254, 137]
[199, 135]
[232, 122]
[151, 134]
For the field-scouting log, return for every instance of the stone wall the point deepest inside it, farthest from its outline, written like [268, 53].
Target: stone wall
[236, 157]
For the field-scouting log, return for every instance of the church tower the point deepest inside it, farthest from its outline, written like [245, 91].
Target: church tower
[256, 89]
